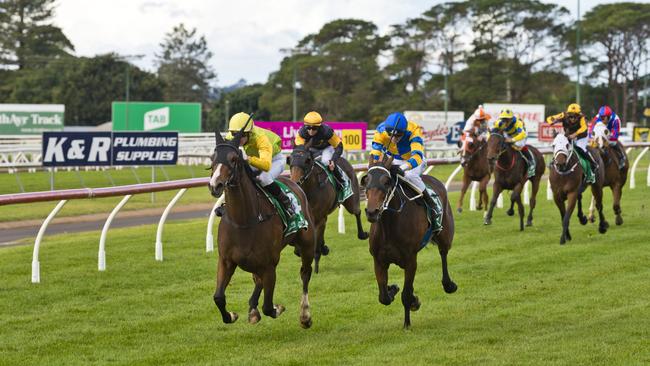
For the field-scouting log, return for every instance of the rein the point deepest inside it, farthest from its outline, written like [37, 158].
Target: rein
[568, 155]
[403, 197]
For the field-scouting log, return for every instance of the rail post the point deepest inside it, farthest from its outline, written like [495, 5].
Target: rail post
[451, 177]
[472, 197]
[163, 218]
[101, 255]
[209, 238]
[636, 163]
[36, 265]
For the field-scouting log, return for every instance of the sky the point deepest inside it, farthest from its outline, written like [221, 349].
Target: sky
[245, 36]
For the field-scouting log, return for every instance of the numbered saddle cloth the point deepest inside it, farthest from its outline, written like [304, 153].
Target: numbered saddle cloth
[345, 191]
[298, 220]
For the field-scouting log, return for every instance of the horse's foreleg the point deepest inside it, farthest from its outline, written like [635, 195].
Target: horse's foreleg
[361, 234]
[533, 201]
[496, 191]
[516, 198]
[463, 190]
[254, 314]
[307, 257]
[559, 202]
[386, 293]
[409, 300]
[511, 210]
[581, 215]
[617, 192]
[482, 188]
[572, 197]
[268, 281]
[597, 191]
[225, 270]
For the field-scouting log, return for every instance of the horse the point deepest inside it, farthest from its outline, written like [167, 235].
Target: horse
[476, 169]
[566, 178]
[511, 173]
[322, 195]
[615, 177]
[251, 234]
[398, 225]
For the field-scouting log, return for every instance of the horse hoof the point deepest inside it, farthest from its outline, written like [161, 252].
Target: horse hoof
[583, 220]
[407, 326]
[393, 289]
[363, 236]
[510, 212]
[487, 222]
[602, 228]
[450, 287]
[325, 250]
[305, 323]
[279, 309]
[592, 219]
[529, 223]
[233, 317]
[619, 220]
[459, 210]
[254, 316]
[562, 241]
[568, 236]
[415, 305]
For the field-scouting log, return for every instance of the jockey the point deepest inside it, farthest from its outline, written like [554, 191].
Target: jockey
[323, 141]
[402, 140]
[575, 128]
[613, 122]
[476, 123]
[261, 149]
[515, 134]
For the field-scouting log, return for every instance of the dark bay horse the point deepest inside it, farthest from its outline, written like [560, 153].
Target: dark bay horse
[567, 184]
[322, 195]
[251, 235]
[398, 226]
[511, 173]
[615, 176]
[476, 169]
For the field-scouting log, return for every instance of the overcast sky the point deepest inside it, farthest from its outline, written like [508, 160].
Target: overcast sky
[245, 36]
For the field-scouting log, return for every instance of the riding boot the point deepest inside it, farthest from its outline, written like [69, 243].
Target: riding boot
[285, 201]
[428, 199]
[621, 161]
[338, 178]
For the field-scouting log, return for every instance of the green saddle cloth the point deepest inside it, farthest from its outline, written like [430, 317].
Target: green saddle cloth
[590, 176]
[434, 214]
[346, 186]
[298, 220]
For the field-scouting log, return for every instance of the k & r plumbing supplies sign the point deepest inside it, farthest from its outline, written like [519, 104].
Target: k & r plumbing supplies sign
[20, 119]
[109, 148]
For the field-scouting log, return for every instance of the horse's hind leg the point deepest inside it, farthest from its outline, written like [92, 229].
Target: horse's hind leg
[533, 201]
[483, 196]
[463, 190]
[386, 293]
[254, 314]
[581, 216]
[597, 191]
[516, 197]
[225, 270]
[409, 300]
[307, 257]
[268, 281]
[617, 192]
[353, 206]
[447, 284]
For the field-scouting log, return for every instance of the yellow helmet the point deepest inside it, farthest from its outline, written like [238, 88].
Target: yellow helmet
[506, 113]
[573, 108]
[238, 121]
[313, 119]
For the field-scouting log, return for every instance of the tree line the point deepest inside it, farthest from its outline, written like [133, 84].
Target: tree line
[459, 53]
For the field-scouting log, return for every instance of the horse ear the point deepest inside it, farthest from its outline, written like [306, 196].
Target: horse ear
[217, 137]
[389, 162]
[364, 181]
[555, 133]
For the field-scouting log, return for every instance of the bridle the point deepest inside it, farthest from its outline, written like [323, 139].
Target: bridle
[568, 154]
[306, 172]
[232, 178]
[392, 191]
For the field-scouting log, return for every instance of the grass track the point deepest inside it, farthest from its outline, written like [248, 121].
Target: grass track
[522, 299]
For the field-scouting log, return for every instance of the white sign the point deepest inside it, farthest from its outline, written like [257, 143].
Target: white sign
[531, 114]
[435, 127]
[157, 118]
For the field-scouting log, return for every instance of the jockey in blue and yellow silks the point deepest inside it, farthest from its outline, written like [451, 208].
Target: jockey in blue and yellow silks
[514, 132]
[406, 147]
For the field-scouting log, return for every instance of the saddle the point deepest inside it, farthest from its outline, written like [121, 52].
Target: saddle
[298, 221]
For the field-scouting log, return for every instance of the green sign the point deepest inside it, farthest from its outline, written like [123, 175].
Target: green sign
[19, 119]
[156, 116]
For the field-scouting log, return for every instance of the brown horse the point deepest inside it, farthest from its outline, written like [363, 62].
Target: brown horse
[476, 169]
[399, 224]
[615, 176]
[251, 235]
[511, 173]
[322, 195]
[567, 184]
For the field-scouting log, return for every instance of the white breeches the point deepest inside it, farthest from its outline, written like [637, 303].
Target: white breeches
[327, 154]
[277, 167]
[414, 176]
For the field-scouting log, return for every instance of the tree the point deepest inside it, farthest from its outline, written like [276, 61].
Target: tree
[26, 35]
[244, 99]
[183, 66]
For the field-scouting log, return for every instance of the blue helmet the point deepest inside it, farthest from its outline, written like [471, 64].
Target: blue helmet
[395, 121]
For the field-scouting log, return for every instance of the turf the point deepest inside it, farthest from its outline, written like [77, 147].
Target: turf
[522, 299]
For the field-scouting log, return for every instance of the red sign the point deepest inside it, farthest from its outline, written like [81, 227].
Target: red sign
[545, 131]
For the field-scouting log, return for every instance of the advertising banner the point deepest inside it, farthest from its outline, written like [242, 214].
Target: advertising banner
[353, 134]
[435, 126]
[19, 119]
[641, 134]
[156, 116]
[109, 148]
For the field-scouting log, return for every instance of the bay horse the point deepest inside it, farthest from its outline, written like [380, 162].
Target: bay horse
[475, 169]
[510, 172]
[567, 183]
[399, 224]
[615, 176]
[322, 195]
[251, 234]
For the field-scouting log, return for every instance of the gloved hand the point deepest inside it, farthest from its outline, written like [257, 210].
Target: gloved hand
[243, 153]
